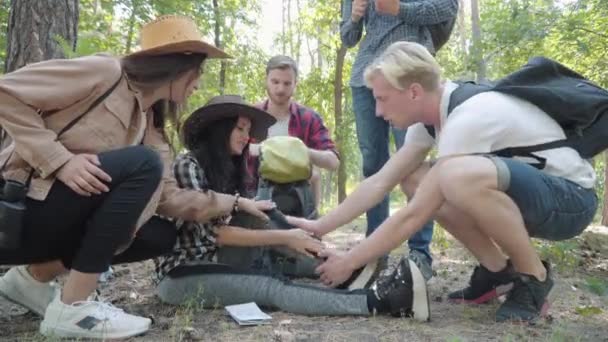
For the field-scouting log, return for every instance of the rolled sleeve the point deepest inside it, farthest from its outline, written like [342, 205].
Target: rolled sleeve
[428, 12]
[350, 32]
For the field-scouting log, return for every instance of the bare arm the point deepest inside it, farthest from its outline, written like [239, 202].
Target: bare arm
[324, 159]
[372, 190]
[403, 223]
[237, 236]
[296, 239]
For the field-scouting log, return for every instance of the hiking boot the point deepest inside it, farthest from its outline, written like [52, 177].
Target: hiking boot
[362, 278]
[19, 287]
[90, 319]
[404, 292]
[485, 285]
[527, 301]
[423, 262]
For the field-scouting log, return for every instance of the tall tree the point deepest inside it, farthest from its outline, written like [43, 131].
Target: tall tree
[339, 118]
[34, 28]
[39, 30]
[219, 20]
[477, 46]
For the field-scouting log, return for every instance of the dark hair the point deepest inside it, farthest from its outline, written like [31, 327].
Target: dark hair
[152, 71]
[223, 171]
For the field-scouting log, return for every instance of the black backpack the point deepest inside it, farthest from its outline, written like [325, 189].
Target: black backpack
[579, 106]
[294, 199]
[440, 33]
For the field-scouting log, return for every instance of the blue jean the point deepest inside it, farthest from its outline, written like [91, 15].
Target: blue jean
[553, 208]
[372, 133]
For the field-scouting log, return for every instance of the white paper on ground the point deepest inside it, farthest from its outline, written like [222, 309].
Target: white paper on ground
[248, 314]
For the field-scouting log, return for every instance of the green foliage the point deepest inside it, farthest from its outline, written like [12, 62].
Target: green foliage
[597, 285]
[562, 254]
[587, 311]
[4, 12]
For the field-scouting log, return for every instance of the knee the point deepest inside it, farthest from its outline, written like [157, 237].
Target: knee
[410, 183]
[150, 162]
[461, 177]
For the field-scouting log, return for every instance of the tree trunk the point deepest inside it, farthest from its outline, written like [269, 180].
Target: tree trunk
[298, 34]
[283, 30]
[339, 121]
[218, 42]
[477, 50]
[130, 33]
[605, 211]
[462, 28]
[33, 28]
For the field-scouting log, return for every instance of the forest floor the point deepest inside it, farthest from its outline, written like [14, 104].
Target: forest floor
[579, 311]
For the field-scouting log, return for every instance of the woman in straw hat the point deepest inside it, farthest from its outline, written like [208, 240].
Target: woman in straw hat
[217, 136]
[86, 152]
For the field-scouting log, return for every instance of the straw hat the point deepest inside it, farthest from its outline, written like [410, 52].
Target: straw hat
[223, 107]
[174, 34]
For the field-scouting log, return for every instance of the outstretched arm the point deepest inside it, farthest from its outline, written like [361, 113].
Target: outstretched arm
[370, 192]
[389, 234]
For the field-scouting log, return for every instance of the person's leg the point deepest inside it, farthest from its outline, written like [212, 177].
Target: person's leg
[155, 238]
[508, 200]
[372, 134]
[419, 243]
[215, 286]
[492, 278]
[82, 232]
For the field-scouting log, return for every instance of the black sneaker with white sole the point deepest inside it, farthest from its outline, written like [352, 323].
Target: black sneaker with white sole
[362, 278]
[404, 292]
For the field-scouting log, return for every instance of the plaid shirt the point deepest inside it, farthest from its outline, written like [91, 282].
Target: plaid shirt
[383, 30]
[304, 123]
[195, 241]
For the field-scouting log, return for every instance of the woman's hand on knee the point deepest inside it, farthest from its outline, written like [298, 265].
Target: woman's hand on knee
[83, 175]
[303, 242]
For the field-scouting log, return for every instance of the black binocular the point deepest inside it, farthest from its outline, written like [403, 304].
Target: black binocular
[12, 209]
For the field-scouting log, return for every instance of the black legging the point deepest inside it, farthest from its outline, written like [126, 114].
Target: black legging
[85, 232]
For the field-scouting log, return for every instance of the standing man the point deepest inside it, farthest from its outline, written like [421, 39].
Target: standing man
[386, 22]
[296, 120]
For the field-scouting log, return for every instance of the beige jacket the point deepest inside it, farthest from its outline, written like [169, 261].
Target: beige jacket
[37, 101]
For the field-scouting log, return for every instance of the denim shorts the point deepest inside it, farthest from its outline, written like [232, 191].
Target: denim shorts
[553, 208]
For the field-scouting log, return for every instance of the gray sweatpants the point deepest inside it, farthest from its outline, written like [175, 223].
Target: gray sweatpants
[215, 290]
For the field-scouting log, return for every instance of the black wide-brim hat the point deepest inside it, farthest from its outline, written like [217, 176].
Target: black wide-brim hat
[224, 107]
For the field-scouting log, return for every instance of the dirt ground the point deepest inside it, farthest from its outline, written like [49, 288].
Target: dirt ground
[579, 311]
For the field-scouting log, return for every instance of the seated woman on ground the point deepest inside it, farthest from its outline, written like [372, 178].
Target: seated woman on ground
[216, 136]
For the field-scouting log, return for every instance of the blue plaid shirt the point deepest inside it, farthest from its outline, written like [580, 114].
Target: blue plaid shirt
[383, 30]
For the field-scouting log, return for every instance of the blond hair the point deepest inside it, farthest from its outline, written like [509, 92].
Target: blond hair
[404, 63]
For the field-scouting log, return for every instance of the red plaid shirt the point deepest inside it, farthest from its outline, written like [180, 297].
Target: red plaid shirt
[304, 123]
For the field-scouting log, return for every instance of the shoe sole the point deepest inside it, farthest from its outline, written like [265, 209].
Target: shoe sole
[420, 295]
[486, 297]
[4, 295]
[50, 331]
[367, 276]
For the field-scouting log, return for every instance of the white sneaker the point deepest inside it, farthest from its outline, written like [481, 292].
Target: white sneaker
[19, 287]
[90, 319]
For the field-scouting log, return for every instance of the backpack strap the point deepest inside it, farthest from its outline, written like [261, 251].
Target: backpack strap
[465, 90]
[71, 124]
